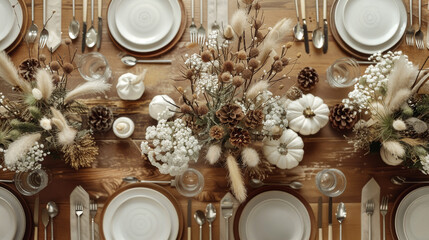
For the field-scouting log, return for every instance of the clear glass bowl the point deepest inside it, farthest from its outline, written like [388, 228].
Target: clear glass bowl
[190, 183]
[331, 182]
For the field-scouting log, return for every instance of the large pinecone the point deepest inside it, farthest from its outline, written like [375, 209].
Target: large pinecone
[28, 68]
[100, 119]
[239, 137]
[253, 118]
[230, 114]
[191, 123]
[342, 118]
[307, 78]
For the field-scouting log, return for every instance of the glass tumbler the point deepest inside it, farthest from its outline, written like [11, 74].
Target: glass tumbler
[331, 182]
[190, 183]
[31, 182]
[93, 66]
[343, 73]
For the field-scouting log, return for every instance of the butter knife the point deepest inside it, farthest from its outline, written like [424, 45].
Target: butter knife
[100, 25]
[304, 25]
[85, 5]
[330, 219]
[325, 28]
[36, 218]
[189, 218]
[319, 218]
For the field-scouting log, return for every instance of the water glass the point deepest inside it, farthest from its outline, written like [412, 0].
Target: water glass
[331, 182]
[94, 66]
[343, 73]
[190, 183]
[31, 182]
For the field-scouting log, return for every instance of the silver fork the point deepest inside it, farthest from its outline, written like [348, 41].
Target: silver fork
[215, 25]
[383, 211]
[201, 30]
[409, 35]
[419, 34]
[193, 27]
[92, 212]
[227, 210]
[79, 212]
[369, 211]
[44, 34]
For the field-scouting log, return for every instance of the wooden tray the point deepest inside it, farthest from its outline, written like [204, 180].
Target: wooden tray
[23, 28]
[28, 217]
[165, 48]
[274, 188]
[151, 186]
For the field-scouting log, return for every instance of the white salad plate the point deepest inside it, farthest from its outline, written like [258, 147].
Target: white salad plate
[140, 213]
[371, 22]
[274, 215]
[144, 48]
[412, 215]
[7, 18]
[363, 46]
[144, 21]
[13, 222]
[16, 26]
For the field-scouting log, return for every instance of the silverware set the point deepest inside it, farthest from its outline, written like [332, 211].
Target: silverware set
[209, 216]
[91, 37]
[198, 35]
[411, 35]
[79, 209]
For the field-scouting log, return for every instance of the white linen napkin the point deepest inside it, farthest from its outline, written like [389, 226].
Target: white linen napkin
[370, 191]
[54, 24]
[79, 195]
[222, 226]
[220, 14]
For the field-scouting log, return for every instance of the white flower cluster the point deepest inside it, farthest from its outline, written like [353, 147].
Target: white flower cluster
[30, 161]
[424, 160]
[172, 146]
[1, 97]
[372, 85]
[207, 80]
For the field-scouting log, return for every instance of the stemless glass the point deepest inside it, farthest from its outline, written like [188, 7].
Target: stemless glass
[32, 182]
[343, 73]
[190, 183]
[331, 182]
[94, 66]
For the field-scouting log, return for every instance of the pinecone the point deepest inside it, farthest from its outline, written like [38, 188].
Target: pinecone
[308, 78]
[191, 123]
[230, 114]
[100, 119]
[294, 93]
[28, 68]
[342, 118]
[239, 137]
[217, 132]
[253, 118]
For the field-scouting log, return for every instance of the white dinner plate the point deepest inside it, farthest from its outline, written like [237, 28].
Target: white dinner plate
[412, 215]
[177, 16]
[139, 192]
[362, 47]
[371, 22]
[144, 21]
[7, 18]
[141, 217]
[274, 215]
[7, 220]
[16, 28]
[19, 216]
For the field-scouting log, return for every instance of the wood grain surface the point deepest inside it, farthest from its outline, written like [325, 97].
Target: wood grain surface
[119, 158]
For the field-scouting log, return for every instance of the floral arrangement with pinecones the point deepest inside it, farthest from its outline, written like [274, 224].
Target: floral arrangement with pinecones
[394, 109]
[39, 114]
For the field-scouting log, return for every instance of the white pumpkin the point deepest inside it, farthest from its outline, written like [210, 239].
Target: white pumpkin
[389, 158]
[285, 152]
[307, 115]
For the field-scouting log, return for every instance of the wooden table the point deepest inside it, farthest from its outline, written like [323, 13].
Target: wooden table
[119, 158]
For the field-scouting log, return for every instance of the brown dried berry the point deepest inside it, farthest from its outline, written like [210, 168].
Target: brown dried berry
[258, 24]
[242, 55]
[203, 109]
[228, 66]
[189, 74]
[247, 74]
[237, 81]
[185, 109]
[68, 68]
[278, 66]
[206, 56]
[285, 61]
[253, 63]
[68, 41]
[239, 67]
[254, 52]
[55, 65]
[225, 77]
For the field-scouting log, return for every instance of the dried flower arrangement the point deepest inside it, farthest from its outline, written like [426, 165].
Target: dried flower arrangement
[396, 115]
[41, 115]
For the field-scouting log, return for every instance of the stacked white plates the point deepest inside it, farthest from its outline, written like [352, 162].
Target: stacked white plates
[141, 213]
[144, 25]
[274, 215]
[11, 19]
[369, 26]
[12, 220]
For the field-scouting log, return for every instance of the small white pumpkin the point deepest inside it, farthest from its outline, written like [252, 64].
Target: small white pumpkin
[307, 115]
[286, 152]
[389, 158]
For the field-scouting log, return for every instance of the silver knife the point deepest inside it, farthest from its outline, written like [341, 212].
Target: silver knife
[85, 5]
[325, 28]
[319, 218]
[189, 218]
[330, 219]
[36, 218]
[100, 25]
[304, 25]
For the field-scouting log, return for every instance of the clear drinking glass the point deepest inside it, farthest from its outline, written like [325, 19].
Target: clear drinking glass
[31, 182]
[94, 66]
[343, 73]
[190, 183]
[331, 182]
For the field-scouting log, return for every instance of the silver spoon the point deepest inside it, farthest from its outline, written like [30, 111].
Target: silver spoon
[255, 183]
[317, 33]
[7, 180]
[53, 212]
[31, 35]
[74, 25]
[201, 219]
[91, 35]
[132, 61]
[298, 31]
[398, 180]
[135, 180]
[44, 35]
[210, 216]
[341, 216]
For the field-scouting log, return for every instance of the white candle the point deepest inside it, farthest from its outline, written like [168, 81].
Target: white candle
[123, 127]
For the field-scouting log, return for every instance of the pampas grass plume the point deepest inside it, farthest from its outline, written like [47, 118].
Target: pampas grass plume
[394, 148]
[280, 30]
[399, 125]
[19, 148]
[9, 74]
[257, 88]
[239, 22]
[236, 178]
[44, 83]
[250, 157]
[92, 87]
[213, 153]
[67, 136]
